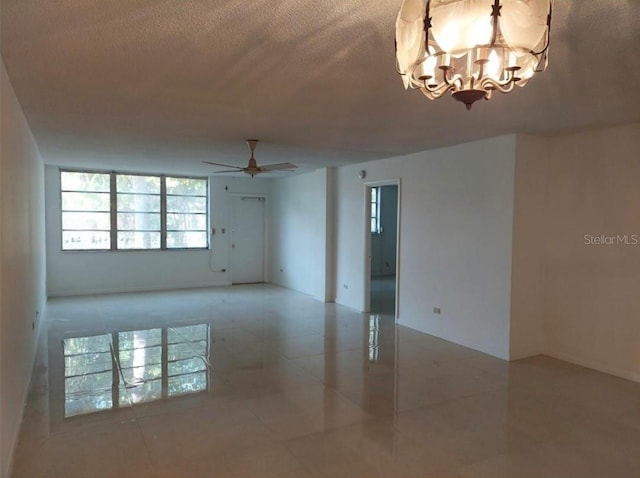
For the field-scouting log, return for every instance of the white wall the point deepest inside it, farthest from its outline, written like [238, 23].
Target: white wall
[530, 229]
[455, 240]
[592, 304]
[22, 264]
[300, 236]
[72, 273]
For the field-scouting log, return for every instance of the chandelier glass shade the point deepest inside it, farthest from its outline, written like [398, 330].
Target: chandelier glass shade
[471, 47]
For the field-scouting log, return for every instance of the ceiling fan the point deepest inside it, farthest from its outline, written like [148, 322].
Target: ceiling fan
[252, 168]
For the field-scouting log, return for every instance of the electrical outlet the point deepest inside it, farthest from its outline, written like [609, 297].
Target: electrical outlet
[345, 286]
[436, 310]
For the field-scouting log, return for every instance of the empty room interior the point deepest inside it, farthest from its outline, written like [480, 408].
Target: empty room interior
[236, 242]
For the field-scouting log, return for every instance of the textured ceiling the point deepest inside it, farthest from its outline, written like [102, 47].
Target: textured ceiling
[163, 84]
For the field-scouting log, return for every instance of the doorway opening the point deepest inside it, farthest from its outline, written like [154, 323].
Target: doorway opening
[247, 239]
[382, 248]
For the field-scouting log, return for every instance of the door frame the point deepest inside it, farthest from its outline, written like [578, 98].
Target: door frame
[366, 302]
[265, 231]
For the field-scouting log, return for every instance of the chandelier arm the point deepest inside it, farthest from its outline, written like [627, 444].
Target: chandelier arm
[436, 93]
[511, 79]
[438, 90]
[454, 82]
[445, 76]
[489, 84]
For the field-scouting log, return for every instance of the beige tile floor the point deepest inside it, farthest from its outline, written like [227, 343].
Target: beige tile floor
[258, 381]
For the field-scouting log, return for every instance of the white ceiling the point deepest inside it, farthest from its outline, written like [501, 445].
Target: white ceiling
[160, 85]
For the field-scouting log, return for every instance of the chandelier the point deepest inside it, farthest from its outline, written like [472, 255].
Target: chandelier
[471, 47]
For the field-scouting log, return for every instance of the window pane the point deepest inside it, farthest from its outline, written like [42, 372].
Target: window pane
[178, 240]
[85, 201]
[187, 204]
[187, 186]
[79, 403]
[85, 240]
[138, 203]
[87, 363]
[374, 194]
[374, 227]
[140, 356]
[139, 338]
[136, 221]
[193, 364]
[138, 240]
[86, 220]
[186, 222]
[191, 383]
[186, 350]
[144, 392]
[138, 184]
[88, 374]
[136, 375]
[83, 345]
[71, 181]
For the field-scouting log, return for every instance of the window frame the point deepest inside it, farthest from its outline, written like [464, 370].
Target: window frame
[375, 217]
[113, 210]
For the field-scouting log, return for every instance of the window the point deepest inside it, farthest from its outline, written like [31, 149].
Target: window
[186, 213]
[85, 211]
[138, 202]
[375, 210]
[112, 211]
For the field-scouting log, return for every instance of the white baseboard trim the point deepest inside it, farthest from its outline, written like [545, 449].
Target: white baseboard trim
[595, 365]
[122, 290]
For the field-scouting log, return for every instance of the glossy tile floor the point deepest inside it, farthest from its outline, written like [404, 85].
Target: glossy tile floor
[259, 381]
[383, 295]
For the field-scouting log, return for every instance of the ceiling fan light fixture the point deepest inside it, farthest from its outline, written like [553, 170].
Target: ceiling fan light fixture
[471, 48]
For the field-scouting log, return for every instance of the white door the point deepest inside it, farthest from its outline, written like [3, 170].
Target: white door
[247, 239]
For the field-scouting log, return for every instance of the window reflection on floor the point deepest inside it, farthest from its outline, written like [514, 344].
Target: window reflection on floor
[110, 371]
[88, 374]
[374, 337]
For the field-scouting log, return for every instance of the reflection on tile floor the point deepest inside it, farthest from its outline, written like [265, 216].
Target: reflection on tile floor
[114, 370]
[258, 381]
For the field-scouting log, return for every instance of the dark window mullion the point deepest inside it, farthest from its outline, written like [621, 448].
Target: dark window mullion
[163, 212]
[165, 362]
[113, 195]
[115, 373]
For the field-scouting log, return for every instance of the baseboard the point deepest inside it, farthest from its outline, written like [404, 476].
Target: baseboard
[595, 365]
[525, 355]
[118, 290]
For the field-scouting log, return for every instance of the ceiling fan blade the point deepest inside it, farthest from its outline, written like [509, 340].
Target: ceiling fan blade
[278, 167]
[228, 171]
[223, 165]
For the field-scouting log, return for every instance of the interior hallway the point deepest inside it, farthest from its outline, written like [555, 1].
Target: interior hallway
[260, 381]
